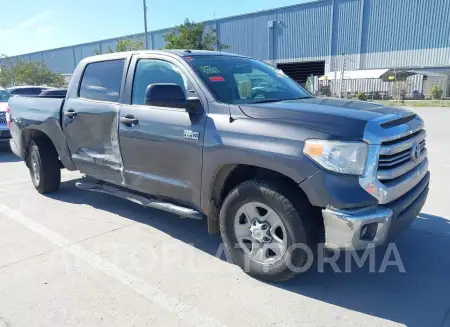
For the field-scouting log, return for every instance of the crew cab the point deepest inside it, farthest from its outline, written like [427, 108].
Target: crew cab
[234, 140]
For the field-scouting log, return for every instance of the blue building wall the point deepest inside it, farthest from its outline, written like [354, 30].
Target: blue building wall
[371, 34]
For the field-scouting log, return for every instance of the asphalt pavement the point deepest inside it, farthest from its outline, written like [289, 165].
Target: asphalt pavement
[77, 258]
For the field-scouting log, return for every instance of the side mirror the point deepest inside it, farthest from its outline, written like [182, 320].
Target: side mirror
[171, 96]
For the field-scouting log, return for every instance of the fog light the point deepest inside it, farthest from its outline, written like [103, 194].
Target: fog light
[368, 232]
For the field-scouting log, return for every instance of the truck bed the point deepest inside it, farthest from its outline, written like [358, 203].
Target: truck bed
[38, 114]
[35, 110]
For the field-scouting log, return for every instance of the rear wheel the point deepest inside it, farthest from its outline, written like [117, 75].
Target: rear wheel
[264, 232]
[44, 166]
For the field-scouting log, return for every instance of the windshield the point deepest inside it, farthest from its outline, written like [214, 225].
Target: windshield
[4, 96]
[237, 80]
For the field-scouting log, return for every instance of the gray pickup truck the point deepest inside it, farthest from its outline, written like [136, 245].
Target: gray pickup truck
[236, 141]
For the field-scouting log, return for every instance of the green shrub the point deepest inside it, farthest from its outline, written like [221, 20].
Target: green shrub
[437, 91]
[361, 96]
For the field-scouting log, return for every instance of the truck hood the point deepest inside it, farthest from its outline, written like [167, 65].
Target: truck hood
[337, 117]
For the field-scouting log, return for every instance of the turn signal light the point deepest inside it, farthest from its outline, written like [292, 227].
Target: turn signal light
[313, 149]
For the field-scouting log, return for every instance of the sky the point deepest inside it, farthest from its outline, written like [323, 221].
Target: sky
[35, 25]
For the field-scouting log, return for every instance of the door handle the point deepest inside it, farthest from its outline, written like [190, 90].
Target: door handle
[129, 120]
[70, 113]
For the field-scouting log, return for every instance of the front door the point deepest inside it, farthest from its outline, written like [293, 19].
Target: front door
[90, 121]
[162, 150]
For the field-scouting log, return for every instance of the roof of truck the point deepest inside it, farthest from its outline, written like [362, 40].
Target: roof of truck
[187, 53]
[181, 53]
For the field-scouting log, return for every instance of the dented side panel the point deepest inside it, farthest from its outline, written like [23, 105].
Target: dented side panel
[92, 137]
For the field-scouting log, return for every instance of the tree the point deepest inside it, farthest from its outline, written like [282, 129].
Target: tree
[125, 45]
[310, 83]
[30, 73]
[191, 35]
[401, 89]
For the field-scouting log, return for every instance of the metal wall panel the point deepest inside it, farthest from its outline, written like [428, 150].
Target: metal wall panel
[60, 60]
[439, 57]
[372, 33]
[105, 45]
[88, 50]
[346, 27]
[24, 58]
[209, 26]
[303, 31]
[393, 25]
[158, 39]
[246, 35]
[36, 56]
[140, 37]
[78, 56]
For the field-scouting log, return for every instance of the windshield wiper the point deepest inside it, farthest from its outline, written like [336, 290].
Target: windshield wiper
[267, 100]
[280, 100]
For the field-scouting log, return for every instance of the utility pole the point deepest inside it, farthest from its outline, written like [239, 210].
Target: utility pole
[344, 61]
[145, 25]
[334, 90]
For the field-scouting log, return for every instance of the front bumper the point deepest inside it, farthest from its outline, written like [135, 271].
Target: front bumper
[13, 147]
[356, 229]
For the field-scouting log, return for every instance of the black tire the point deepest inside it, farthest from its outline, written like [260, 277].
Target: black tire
[296, 218]
[42, 154]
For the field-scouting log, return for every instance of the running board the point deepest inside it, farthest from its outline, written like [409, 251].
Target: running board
[143, 200]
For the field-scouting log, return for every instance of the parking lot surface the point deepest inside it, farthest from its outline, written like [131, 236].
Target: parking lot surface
[77, 258]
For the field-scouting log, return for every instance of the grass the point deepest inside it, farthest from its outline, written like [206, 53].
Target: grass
[415, 103]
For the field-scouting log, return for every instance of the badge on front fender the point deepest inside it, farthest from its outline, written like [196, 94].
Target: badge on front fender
[191, 135]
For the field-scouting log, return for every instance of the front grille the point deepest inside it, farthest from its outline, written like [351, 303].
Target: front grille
[401, 155]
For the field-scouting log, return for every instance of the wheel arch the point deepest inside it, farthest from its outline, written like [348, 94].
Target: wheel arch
[54, 136]
[227, 177]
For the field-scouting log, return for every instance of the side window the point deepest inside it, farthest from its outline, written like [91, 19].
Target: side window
[151, 71]
[101, 80]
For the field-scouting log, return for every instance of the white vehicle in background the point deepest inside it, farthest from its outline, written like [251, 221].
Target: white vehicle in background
[5, 136]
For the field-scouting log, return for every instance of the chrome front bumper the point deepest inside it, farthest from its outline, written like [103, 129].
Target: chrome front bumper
[343, 229]
[372, 226]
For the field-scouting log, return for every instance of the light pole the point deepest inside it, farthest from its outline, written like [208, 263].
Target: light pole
[145, 25]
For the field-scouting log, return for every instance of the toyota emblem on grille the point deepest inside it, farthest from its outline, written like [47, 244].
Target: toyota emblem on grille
[415, 152]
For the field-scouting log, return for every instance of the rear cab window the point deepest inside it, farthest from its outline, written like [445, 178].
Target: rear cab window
[28, 91]
[102, 80]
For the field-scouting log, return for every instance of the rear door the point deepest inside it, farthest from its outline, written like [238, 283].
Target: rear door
[90, 120]
[162, 152]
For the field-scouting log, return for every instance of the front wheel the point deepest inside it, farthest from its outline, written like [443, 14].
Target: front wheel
[264, 232]
[44, 166]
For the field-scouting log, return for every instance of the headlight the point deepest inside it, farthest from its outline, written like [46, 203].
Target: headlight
[341, 157]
